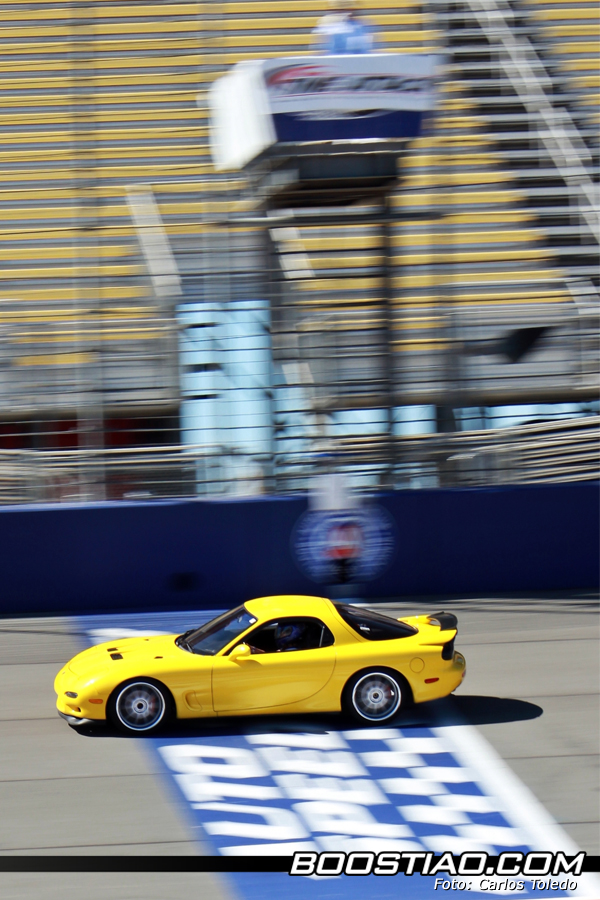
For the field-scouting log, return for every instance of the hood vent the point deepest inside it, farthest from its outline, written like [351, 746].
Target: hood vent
[116, 656]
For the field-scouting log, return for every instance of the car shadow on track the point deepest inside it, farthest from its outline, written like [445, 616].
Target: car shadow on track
[461, 710]
[491, 710]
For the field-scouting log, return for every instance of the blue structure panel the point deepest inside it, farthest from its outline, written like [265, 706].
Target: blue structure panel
[215, 554]
[380, 124]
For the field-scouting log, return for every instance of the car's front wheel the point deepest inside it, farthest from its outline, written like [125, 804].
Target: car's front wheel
[375, 696]
[140, 706]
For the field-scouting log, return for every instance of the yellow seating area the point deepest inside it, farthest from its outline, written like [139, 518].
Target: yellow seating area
[92, 100]
[97, 97]
[569, 31]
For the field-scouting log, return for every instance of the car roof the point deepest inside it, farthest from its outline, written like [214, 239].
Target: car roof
[288, 605]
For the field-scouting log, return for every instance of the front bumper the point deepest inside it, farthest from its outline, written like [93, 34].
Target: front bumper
[74, 720]
[80, 709]
[88, 705]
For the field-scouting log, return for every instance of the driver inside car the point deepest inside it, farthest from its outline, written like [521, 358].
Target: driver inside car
[289, 637]
[284, 637]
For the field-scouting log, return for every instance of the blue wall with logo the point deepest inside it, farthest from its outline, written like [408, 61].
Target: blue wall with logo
[214, 554]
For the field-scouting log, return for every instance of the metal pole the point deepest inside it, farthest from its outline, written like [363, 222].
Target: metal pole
[388, 350]
[89, 375]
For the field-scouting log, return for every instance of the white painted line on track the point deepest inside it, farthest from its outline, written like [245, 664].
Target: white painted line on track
[518, 804]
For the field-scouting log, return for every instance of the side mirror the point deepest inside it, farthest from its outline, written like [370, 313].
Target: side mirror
[242, 651]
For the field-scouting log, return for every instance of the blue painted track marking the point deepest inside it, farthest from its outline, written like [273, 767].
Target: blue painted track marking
[271, 785]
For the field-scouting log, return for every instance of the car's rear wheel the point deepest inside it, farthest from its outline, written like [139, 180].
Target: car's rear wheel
[375, 696]
[140, 706]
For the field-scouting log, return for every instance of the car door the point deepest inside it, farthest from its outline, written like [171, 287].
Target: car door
[273, 678]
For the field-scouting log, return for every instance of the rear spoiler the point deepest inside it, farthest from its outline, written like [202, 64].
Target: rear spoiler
[446, 621]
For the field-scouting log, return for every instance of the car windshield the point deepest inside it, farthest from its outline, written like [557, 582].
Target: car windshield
[212, 637]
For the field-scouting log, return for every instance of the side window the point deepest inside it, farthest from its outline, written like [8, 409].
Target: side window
[289, 634]
[373, 626]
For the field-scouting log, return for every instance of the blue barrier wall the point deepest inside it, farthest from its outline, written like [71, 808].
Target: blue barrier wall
[214, 554]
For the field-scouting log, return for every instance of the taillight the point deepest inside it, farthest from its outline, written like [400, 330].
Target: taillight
[448, 650]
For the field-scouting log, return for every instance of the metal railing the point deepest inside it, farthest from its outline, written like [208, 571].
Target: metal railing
[565, 451]
[546, 452]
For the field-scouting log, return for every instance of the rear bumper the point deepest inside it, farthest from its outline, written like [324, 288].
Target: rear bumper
[441, 680]
[457, 672]
[459, 665]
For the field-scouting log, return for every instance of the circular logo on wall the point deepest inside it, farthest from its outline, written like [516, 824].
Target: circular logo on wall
[344, 546]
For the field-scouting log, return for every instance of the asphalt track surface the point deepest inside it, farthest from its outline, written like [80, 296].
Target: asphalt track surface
[532, 691]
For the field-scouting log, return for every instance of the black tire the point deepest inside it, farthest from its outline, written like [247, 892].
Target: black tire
[140, 706]
[375, 696]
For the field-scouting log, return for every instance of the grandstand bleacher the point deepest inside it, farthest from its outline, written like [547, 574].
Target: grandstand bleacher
[485, 229]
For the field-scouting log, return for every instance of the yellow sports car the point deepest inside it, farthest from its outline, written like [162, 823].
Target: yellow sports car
[272, 655]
